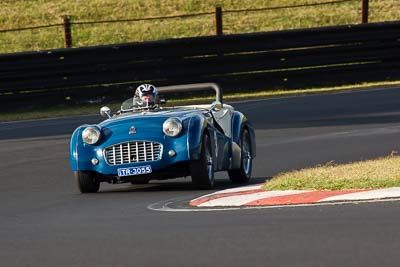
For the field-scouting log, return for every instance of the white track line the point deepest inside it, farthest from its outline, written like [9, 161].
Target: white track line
[239, 189]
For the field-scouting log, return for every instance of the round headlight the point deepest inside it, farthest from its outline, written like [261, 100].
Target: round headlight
[91, 135]
[172, 127]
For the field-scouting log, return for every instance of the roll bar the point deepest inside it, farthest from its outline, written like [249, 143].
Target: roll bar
[193, 87]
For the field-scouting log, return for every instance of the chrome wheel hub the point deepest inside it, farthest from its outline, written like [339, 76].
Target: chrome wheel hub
[209, 161]
[246, 156]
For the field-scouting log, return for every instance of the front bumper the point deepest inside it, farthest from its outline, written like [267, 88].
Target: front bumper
[84, 155]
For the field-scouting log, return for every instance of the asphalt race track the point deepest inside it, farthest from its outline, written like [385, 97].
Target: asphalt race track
[44, 221]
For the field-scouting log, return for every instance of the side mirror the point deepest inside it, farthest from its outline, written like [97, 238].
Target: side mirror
[216, 105]
[105, 112]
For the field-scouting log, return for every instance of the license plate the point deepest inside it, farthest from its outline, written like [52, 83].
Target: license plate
[134, 171]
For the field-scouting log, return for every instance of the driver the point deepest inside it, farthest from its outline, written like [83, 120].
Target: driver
[146, 97]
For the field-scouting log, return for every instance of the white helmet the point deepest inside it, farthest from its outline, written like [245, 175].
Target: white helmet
[146, 96]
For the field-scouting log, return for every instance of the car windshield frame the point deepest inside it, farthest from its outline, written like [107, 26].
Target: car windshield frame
[128, 106]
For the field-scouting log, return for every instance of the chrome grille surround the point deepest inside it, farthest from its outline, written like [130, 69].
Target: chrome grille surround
[132, 152]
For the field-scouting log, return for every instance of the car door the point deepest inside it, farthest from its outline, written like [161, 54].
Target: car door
[223, 119]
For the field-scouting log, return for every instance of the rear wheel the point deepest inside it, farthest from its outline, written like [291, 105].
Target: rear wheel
[87, 181]
[243, 174]
[202, 170]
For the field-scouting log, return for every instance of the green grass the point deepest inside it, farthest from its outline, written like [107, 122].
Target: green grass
[21, 13]
[378, 173]
[94, 108]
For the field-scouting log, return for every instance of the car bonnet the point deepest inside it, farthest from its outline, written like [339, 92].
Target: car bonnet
[151, 121]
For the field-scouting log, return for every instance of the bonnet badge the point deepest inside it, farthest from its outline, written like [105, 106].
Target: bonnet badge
[132, 130]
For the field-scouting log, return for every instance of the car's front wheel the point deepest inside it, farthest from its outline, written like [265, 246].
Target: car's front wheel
[87, 181]
[243, 174]
[202, 170]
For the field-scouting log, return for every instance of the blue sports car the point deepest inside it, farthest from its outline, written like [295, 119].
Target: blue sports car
[143, 142]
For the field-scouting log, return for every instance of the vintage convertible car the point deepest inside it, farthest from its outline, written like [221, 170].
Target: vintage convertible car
[140, 145]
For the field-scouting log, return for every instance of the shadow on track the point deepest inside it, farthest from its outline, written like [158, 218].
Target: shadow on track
[181, 186]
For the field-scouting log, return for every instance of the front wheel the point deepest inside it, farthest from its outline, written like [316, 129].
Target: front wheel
[243, 174]
[202, 170]
[87, 181]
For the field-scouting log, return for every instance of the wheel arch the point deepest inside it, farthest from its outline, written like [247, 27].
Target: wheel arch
[74, 148]
[239, 123]
[196, 128]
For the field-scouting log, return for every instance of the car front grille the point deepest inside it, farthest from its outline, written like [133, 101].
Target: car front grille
[131, 152]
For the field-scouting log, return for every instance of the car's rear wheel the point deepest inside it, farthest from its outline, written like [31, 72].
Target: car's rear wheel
[243, 174]
[87, 181]
[202, 170]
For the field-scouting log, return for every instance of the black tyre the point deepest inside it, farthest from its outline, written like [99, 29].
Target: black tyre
[202, 170]
[87, 181]
[243, 174]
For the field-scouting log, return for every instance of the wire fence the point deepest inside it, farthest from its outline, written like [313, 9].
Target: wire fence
[289, 6]
[71, 32]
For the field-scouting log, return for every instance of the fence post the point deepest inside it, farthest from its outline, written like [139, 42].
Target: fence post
[218, 20]
[365, 11]
[67, 32]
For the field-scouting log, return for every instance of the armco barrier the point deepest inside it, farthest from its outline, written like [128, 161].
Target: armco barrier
[270, 60]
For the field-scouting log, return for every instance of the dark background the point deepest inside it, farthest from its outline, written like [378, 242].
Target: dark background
[303, 58]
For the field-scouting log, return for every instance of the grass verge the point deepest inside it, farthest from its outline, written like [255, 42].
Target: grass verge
[378, 173]
[94, 108]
